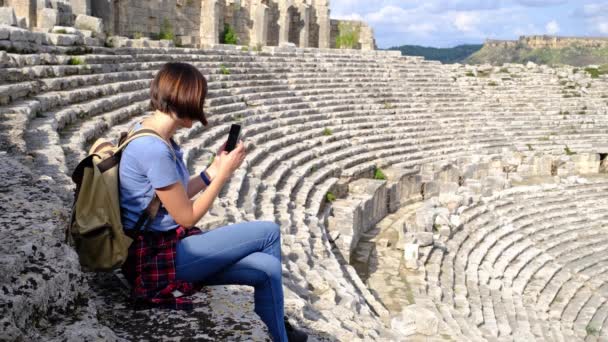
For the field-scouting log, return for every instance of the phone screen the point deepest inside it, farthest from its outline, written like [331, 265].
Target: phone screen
[233, 137]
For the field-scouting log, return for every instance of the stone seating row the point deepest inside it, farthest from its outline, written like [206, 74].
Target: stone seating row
[565, 311]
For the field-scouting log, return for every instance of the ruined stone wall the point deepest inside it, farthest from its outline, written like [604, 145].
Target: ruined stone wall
[25, 9]
[500, 43]
[304, 23]
[237, 15]
[313, 34]
[146, 18]
[366, 34]
[273, 29]
[554, 42]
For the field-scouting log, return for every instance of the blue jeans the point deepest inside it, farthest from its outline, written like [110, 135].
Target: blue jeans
[246, 253]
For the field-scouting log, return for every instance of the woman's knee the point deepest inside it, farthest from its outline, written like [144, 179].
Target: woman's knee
[270, 265]
[270, 228]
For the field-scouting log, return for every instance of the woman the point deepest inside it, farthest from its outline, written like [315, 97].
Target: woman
[173, 258]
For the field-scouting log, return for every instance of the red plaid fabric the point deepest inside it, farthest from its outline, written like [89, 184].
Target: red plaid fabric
[150, 268]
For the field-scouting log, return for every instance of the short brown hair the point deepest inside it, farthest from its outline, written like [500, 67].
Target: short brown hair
[179, 88]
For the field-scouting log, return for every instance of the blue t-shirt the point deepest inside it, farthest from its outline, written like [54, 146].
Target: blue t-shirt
[147, 164]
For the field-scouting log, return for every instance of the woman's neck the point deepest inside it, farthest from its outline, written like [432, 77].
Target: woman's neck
[162, 123]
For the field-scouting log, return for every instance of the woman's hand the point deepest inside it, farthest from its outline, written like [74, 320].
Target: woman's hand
[227, 163]
[213, 167]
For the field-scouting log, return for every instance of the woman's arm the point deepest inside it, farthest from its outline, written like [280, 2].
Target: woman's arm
[196, 184]
[187, 212]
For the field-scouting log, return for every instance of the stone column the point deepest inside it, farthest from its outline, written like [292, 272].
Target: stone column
[366, 38]
[322, 8]
[81, 6]
[27, 9]
[210, 22]
[284, 21]
[260, 13]
[305, 10]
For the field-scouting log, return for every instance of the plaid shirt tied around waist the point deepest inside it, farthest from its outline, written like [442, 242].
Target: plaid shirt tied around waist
[150, 268]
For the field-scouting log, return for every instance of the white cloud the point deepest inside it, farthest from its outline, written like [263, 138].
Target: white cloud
[595, 16]
[466, 21]
[351, 16]
[541, 3]
[552, 27]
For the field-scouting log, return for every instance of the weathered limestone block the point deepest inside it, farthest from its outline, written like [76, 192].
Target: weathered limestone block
[81, 7]
[586, 163]
[47, 18]
[495, 168]
[399, 187]
[65, 13]
[410, 255]
[22, 22]
[38, 272]
[425, 218]
[7, 16]
[422, 239]
[426, 321]
[85, 22]
[5, 33]
[345, 225]
[373, 195]
[65, 39]
[492, 184]
[19, 34]
[430, 189]
[475, 170]
[448, 187]
[447, 173]
[563, 166]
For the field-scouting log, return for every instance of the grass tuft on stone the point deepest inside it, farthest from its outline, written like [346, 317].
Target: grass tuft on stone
[379, 175]
[330, 197]
[76, 61]
[224, 70]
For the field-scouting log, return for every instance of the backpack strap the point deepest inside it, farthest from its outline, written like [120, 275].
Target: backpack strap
[149, 214]
[142, 133]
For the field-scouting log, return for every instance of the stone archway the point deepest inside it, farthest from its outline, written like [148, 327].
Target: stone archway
[295, 25]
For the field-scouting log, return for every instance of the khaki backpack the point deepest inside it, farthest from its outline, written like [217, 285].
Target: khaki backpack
[95, 229]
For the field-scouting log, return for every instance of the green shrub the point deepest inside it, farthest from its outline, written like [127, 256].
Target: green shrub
[593, 72]
[327, 131]
[470, 74]
[245, 49]
[568, 151]
[330, 197]
[60, 31]
[348, 36]
[224, 70]
[75, 61]
[590, 330]
[166, 31]
[137, 35]
[229, 35]
[378, 174]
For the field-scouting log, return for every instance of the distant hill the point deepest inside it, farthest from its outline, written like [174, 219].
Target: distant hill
[445, 55]
[549, 50]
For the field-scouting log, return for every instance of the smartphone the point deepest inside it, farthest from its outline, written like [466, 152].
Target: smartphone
[233, 137]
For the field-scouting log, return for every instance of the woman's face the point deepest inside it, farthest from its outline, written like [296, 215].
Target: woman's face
[185, 123]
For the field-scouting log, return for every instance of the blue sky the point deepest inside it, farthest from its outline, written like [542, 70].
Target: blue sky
[446, 23]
